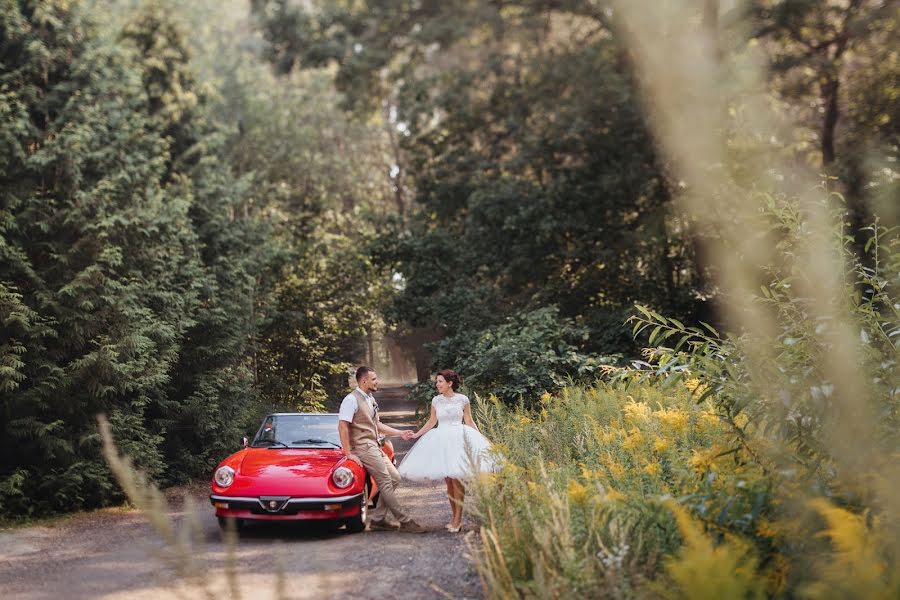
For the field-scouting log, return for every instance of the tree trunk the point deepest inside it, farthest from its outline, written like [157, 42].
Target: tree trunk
[830, 95]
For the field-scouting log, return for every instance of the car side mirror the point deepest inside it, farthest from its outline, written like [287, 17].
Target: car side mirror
[244, 442]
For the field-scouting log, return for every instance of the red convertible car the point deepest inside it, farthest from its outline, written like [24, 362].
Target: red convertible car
[294, 470]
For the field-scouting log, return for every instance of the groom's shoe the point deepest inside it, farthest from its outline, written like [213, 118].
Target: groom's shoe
[411, 527]
[381, 526]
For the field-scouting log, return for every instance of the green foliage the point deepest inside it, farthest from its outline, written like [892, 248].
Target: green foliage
[519, 360]
[173, 251]
[110, 265]
[99, 265]
[535, 179]
[754, 376]
[742, 436]
[325, 306]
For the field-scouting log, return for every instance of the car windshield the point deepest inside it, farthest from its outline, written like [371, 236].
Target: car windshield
[298, 431]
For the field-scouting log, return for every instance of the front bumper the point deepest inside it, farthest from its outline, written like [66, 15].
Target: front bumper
[285, 507]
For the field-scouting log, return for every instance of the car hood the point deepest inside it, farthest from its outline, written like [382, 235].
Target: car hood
[283, 463]
[294, 472]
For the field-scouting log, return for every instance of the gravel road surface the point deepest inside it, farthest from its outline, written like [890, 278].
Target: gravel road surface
[115, 553]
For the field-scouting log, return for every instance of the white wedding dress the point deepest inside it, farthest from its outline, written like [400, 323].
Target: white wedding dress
[452, 449]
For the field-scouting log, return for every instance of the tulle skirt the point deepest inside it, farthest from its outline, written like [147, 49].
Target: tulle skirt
[448, 451]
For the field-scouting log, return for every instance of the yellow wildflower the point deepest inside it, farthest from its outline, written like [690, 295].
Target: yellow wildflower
[614, 495]
[673, 417]
[710, 418]
[653, 468]
[695, 386]
[702, 461]
[586, 473]
[502, 450]
[633, 439]
[608, 436]
[487, 478]
[660, 444]
[524, 419]
[546, 397]
[577, 492]
[636, 412]
[765, 529]
[616, 469]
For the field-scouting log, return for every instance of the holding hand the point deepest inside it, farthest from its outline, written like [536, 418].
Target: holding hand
[407, 435]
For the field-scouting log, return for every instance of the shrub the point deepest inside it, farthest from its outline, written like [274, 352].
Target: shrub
[532, 353]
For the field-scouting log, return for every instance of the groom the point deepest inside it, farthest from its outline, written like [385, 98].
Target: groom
[359, 428]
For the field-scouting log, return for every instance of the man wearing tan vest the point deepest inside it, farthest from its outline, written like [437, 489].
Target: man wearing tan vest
[359, 428]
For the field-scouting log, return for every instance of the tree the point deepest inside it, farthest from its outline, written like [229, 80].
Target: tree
[814, 44]
[99, 265]
[211, 399]
[535, 179]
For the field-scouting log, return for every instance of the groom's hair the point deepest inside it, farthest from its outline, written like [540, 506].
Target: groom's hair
[362, 372]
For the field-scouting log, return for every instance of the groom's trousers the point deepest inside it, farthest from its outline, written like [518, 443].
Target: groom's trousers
[387, 477]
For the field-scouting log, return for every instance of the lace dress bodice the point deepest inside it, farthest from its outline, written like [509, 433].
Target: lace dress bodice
[449, 410]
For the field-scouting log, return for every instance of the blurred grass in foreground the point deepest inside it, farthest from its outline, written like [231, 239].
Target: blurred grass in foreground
[184, 552]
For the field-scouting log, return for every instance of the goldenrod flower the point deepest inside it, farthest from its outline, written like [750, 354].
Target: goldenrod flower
[616, 469]
[636, 412]
[660, 444]
[674, 418]
[614, 495]
[701, 461]
[633, 439]
[653, 469]
[577, 492]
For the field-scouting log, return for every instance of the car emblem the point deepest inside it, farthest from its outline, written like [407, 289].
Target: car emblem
[273, 504]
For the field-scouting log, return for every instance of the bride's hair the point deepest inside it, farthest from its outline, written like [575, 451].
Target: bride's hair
[451, 376]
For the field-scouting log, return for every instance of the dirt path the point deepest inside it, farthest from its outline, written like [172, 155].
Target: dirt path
[115, 554]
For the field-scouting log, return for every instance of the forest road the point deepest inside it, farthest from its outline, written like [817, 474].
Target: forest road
[116, 554]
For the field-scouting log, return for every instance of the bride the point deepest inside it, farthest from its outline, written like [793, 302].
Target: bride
[449, 451]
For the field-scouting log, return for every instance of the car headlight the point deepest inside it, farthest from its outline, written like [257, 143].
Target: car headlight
[342, 477]
[224, 476]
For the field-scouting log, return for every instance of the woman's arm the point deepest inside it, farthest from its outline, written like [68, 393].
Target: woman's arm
[431, 422]
[467, 417]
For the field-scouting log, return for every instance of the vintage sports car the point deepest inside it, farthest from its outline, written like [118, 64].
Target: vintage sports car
[294, 470]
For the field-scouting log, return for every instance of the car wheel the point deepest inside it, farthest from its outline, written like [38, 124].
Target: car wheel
[224, 523]
[357, 523]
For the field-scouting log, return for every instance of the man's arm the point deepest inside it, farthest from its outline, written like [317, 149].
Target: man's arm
[344, 432]
[388, 430]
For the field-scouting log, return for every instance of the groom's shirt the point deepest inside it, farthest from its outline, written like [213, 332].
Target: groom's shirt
[349, 405]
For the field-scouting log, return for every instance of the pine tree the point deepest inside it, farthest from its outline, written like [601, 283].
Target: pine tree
[100, 264]
[211, 398]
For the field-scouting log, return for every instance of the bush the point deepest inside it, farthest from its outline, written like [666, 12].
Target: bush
[517, 361]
